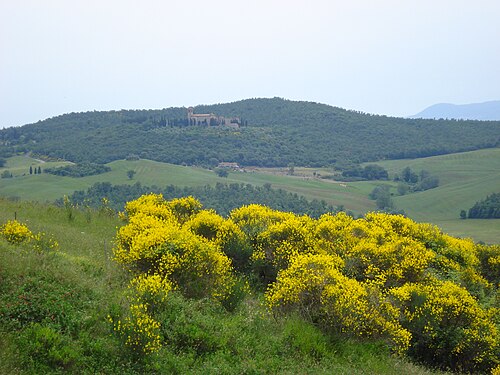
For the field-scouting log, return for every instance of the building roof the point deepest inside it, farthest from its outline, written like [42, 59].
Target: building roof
[202, 115]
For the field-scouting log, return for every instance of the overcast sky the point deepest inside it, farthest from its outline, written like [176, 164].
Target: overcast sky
[391, 57]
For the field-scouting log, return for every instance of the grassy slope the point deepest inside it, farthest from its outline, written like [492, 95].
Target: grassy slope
[464, 179]
[48, 187]
[251, 341]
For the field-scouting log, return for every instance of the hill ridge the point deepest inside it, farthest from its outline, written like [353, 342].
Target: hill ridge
[485, 111]
[277, 132]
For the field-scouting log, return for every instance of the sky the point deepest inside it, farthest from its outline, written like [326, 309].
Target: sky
[391, 57]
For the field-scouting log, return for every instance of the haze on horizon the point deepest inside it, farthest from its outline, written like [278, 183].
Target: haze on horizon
[385, 57]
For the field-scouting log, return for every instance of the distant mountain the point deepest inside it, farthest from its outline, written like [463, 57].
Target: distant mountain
[274, 133]
[475, 111]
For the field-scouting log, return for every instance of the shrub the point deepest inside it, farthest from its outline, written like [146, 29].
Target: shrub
[49, 348]
[314, 286]
[449, 328]
[15, 232]
[139, 331]
[163, 255]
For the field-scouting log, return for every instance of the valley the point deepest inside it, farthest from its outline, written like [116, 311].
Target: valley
[464, 179]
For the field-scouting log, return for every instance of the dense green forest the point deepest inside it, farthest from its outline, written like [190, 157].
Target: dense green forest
[222, 198]
[277, 132]
[488, 208]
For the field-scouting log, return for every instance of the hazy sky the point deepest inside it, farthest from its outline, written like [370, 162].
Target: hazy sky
[391, 57]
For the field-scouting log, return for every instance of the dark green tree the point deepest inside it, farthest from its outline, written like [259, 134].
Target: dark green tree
[409, 176]
[31, 169]
[382, 197]
[131, 174]
[6, 174]
[221, 172]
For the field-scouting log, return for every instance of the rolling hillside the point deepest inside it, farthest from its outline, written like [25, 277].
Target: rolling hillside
[274, 133]
[464, 179]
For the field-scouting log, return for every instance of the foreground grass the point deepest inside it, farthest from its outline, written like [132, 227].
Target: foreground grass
[54, 308]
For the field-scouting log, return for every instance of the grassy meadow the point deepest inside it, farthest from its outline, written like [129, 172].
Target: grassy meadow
[464, 179]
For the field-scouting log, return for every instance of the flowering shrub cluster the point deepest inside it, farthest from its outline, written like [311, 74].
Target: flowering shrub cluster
[173, 245]
[17, 233]
[383, 276]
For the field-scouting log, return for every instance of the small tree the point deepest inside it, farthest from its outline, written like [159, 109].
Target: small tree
[39, 170]
[31, 169]
[403, 188]
[463, 214]
[409, 176]
[221, 172]
[131, 174]
[6, 174]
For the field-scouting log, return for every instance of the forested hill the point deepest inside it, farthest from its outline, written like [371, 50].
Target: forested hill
[274, 132]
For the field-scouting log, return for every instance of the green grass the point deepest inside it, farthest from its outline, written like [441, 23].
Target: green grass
[54, 306]
[47, 187]
[464, 179]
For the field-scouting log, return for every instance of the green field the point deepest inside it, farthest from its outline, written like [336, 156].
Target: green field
[464, 179]
[47, 187]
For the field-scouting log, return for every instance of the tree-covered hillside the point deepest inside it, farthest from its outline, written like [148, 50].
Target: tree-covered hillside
[275, 132]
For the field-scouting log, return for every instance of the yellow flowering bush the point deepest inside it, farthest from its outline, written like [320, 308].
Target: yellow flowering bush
[154, 243]
[166, 248]
[151, 288]
[140, 332]
[448, 325]
[150, 205]
[383, 276]
[184, 208]
[392, 263]
[254, 218]
[489, 259]
[315, 286]
[203, 269]
[332, 234]
[206, 224]
[18, 233]
[225, 234]
[42, 242]
[276, 245]
[15, 232]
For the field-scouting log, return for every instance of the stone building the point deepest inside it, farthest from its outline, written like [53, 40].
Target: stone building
[210, 119]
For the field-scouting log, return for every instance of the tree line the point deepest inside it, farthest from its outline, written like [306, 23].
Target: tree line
[488, 208]
[222, 197]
